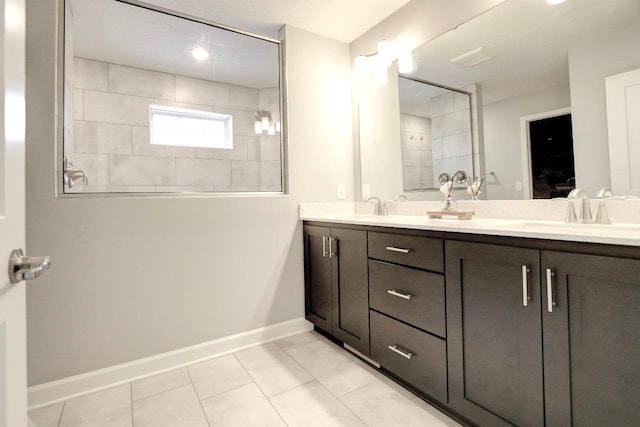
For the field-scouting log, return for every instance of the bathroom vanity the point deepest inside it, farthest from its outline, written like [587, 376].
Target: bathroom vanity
[498, 322]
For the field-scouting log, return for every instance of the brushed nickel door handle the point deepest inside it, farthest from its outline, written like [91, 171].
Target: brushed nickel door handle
[22, 267]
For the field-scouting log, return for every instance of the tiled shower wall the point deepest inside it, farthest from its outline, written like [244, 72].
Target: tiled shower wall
[111, 133]
[451, 131]
[417, 157]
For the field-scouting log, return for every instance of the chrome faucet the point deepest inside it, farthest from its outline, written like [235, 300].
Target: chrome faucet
[71, 173]
[401, 197]
[379, 208]
[585, 211]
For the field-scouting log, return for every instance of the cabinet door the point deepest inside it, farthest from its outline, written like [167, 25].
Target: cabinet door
[350, 288]
[317, 277]
[494, 340]
[591, 340]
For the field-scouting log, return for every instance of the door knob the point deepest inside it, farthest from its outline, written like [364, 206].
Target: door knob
[26, 268]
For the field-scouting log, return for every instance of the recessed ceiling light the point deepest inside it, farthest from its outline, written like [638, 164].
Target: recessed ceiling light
[554, 2]
[200, 53]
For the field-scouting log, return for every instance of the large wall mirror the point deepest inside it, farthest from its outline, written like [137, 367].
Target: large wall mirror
[530, 62]
[157, 102]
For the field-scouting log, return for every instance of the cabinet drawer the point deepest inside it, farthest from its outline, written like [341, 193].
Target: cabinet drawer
[424, 363]
[421, 252]
[413, 296]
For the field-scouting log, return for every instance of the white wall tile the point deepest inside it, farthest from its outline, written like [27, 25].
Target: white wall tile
[451, 124]
[441, 105]
[89, 74]
[461, 101]
[243, 121]
[245, 173]
[141, 170]
[197, 91]
[203, 172]
[270, 172]
[253, 148]
[115, 108]
[138, 82]
[78, 105]
[457, 145]
[143, 147]
[239, 151]
[270, 148]
[269, 99]
[244, 98]
[94, 165]
[93, 137]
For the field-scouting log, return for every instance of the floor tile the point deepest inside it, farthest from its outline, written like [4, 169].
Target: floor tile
[179, 407]
[447, 421]
[272, 369]
[379, 405]
[313, 405]
[299, 339]
[218, 375]
[332, 366]
[110, 407]
[49, 416]
[159, 383]
[243, 406]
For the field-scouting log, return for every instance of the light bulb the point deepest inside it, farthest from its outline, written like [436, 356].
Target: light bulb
[385, 52]
[258, 127]
[272, 130]
[405, 62]
[199, 53]
[277, 126]
[380, 75]
[265, 122]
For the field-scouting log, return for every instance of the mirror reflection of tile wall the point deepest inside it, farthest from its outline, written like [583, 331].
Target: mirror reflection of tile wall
[111, 133]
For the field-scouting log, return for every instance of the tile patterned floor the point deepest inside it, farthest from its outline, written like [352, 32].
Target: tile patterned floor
[303, 380]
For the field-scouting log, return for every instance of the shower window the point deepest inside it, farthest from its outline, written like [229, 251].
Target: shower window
[190, 128]
[167, 104]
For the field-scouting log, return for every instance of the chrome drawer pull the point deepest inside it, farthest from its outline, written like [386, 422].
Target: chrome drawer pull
[394, 249]
[551, 299]
[324, 246]
[398, 294]
[525, 286]
[396, 349]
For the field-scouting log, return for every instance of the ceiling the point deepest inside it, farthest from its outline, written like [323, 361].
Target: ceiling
[530, 40]
[116, 32]
[342, 20]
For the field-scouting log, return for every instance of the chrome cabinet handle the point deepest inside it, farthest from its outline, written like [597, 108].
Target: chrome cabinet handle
[525, 286]
[394, 249]
[551, 299]
[398, 294]
[401, 352]
[26, 268]
[331, 240]
[324, 246]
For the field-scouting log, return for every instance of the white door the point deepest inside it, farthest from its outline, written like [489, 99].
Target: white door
[13, 356]
[623, 110]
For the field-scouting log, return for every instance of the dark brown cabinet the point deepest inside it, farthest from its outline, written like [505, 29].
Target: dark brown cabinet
[336, 283]
[591, 324]
[541, 338]
[407, 301]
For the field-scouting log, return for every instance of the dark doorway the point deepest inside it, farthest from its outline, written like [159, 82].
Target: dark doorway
[552, 168]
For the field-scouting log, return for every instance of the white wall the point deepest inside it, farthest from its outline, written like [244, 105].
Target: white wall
[588, 67]
[133, 277]
[502, 141]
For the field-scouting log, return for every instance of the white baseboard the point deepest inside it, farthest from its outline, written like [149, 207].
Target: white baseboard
[66, 388]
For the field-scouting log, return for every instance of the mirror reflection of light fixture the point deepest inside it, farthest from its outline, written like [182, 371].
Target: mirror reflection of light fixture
[378, 62]
[265, 123]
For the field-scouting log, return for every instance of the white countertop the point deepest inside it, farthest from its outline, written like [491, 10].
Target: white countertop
[627, 234]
